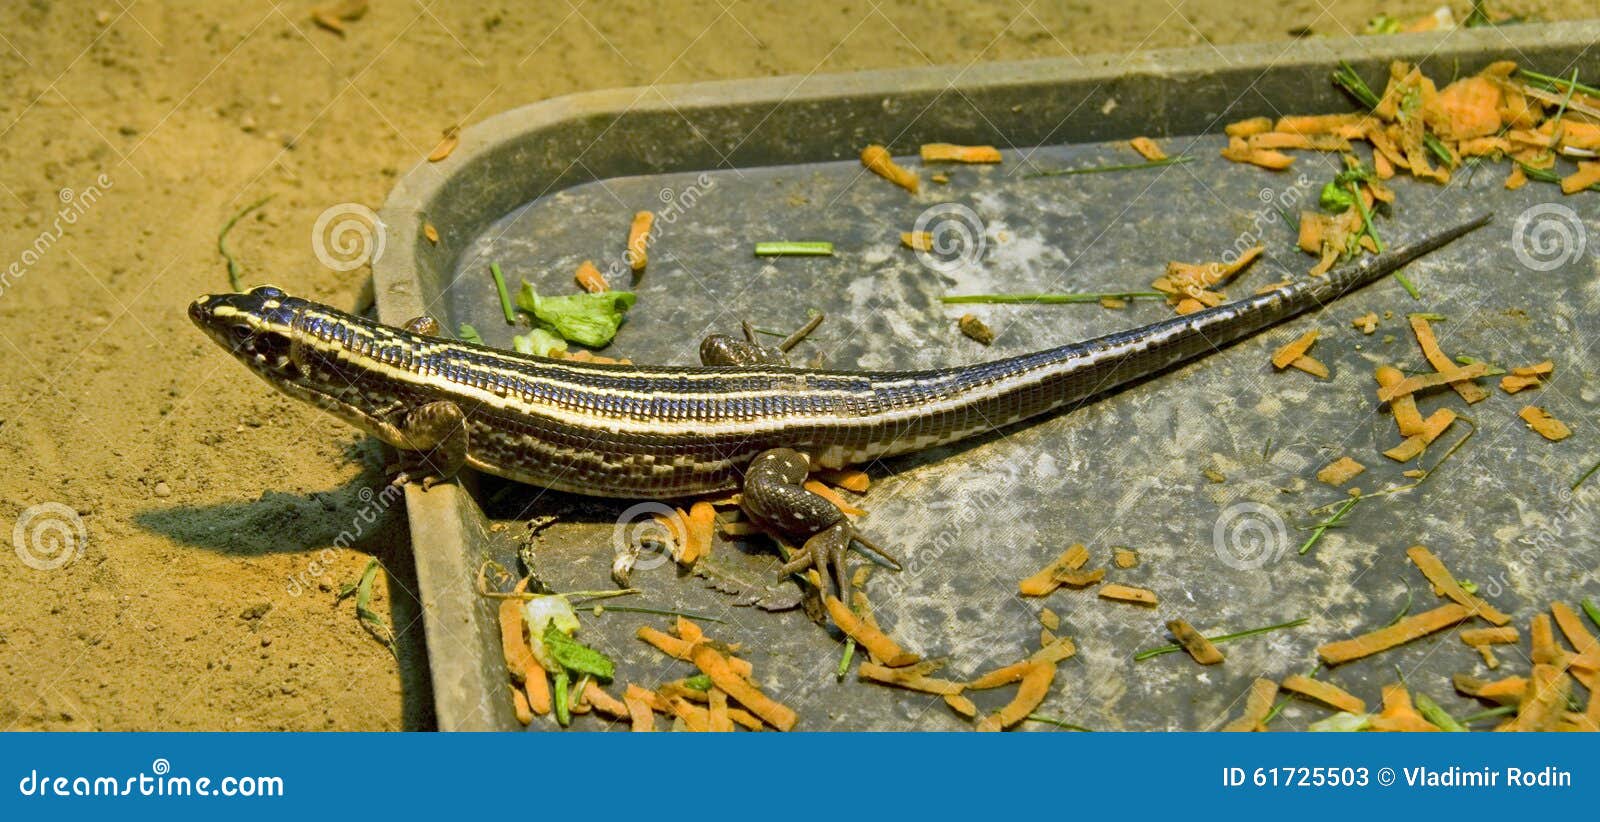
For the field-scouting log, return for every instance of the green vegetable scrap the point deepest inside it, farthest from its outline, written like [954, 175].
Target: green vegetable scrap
[587, 319]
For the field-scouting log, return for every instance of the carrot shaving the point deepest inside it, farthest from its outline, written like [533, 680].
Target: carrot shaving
[1310, 365]
[1422, 382]
[1446, 585]
[1080, 579]
[877, 160]
[1587, 175]
[640, 715]
[536, 687]
[910, 679]
[1432, 427]
[1340, 471]
[603, 702]
[719, 720]
[1128, 593]
[951, 153]
[519, 704]
[1583, 642]
[1325, 692]
[699, 528]
[1367, 322]
[1054, 651]
[1257, 704]
[1294, 350]
[1429, 343]
[1512, 383]
[850, 479]
[688, 631]
[739, 689]
[1399, 714]
[590, 279]
[695, 719]
[1035, 686]
[1147, 149]
[1404, 408]
[1506, 635]
[1406, 630]
[1545, 425]
[1543, 703]
[679, 649]
[917, 240]
[1245, 128]
[1045, 581]
[870, 637]
[1317, 123]
[1196, 645]
[961, 705]
[513, 645]
[1506, 691]
[832, 496]
[1239, 151]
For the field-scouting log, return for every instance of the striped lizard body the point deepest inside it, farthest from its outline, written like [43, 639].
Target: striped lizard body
[667, 431]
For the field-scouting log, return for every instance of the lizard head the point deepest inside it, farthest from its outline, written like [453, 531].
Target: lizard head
[257, 327]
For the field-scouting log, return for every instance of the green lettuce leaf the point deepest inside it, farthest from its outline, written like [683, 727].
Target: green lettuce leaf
[587, 319]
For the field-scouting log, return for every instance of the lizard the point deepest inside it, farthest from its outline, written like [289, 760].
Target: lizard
[744, 419]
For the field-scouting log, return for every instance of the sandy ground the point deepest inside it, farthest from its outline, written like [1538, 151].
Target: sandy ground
[203, 593]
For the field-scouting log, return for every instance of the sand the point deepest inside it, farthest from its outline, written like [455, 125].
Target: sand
[203, 596]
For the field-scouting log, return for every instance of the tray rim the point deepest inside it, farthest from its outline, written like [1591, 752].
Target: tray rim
[446, 522]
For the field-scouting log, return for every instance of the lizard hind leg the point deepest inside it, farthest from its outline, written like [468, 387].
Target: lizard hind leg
[433, 445]
[775, 496]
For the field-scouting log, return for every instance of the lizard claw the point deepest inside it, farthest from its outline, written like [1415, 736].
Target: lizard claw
[825, 551]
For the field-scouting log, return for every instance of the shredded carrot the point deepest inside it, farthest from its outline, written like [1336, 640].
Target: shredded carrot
[1239, 151]
[1398, 713]
[590, 279]
[1295, 349]
[698, 527]
[1506, 691]
[1311, 365]
[1469, 107]
[877, 160]
[1587, 175]
[1541, 369]
[1148, 149]
[1410, 628]
[1325, 692]
[1404, 408]
[513, 645]
[536, 685]
[695, 719]
[1367, 322]
[1054, 651]
[1340, 471]
[638, 700]
[1080, 579]
[1198, 646]
[688, 631]
[1034, 687]
[638, 237]
[1490, 636]
[1544, 701]
[519, 704]
[1517, 178]
[1045, 581]
[917, 240]
[1257, 704]
[1317, 123]
[1583, 642]
[1446, 585]
[1309, 142]
[1127, 593]
[951, 153]
[1421, 382]
[1512, 383]
[1542, 641]
[1125, 558]
[739, 689]
[908, 678]
[961, 705]
[832, 496]
[719, 721]
[1245, 128]
[853, 480]
[875, 641]
[1547, 426]
[679, 649]
[1432, 427]
[1429, 343]
[603, 702]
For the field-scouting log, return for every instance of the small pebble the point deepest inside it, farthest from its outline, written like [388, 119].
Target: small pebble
[163, 490]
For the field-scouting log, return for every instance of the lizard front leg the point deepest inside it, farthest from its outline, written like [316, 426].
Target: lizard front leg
[433, 443]
[775, 496]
